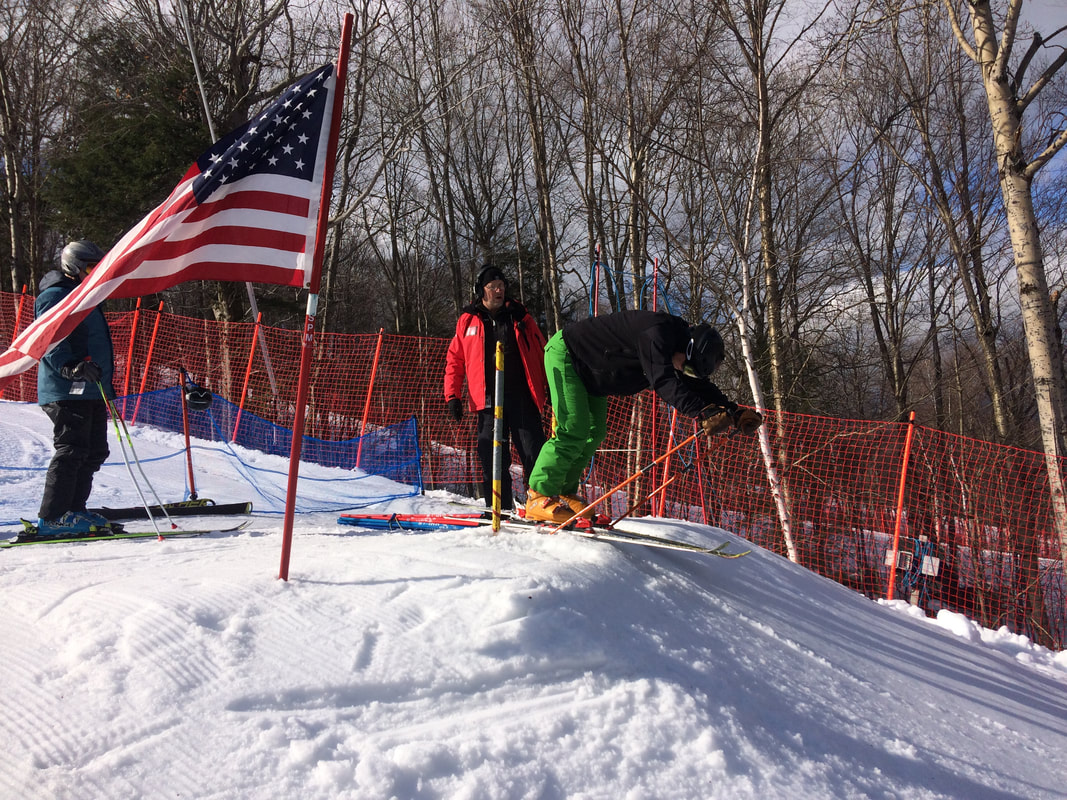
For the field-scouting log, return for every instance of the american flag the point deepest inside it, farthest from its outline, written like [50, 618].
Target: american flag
[245, 211]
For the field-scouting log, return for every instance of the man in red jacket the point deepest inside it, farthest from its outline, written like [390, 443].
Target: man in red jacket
[492, 317]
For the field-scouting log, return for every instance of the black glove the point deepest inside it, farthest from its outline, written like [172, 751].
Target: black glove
[714, 420]
[455, 408]
[747, 421]
[88, 371]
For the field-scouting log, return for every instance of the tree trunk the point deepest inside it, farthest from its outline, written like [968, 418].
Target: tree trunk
[1035, 302]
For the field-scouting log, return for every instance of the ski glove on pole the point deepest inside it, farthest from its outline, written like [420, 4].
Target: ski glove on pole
[715, 420]
[88, 371]
[747, 421]
[455, 408]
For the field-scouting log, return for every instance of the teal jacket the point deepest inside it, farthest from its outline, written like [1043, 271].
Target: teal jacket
[91, 339]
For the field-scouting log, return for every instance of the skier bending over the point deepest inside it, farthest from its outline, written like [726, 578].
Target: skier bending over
[622, 354]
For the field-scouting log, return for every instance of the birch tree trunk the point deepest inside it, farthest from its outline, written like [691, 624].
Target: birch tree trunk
[1016, 175]
[522, 24]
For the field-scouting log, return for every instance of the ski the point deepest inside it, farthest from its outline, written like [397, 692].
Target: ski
[604, 533]
[589, 530]
[647, 540]
[184, 508]
[413, 522]
[98, 536]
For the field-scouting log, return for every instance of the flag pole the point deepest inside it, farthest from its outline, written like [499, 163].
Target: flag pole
[183, 15]
[308, 341]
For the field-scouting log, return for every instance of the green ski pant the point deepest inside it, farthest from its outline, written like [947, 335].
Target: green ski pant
[581, 425]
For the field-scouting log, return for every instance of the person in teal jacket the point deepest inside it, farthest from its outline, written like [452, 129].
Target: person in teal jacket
[69, 381]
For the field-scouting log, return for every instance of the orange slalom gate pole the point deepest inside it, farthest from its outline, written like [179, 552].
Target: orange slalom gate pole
[148, 362]
[248, 377]
[370, 391]
[129, 355]
[625, 483]
[900, 506]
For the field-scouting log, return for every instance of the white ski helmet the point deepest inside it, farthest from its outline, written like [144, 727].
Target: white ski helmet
[79, 256]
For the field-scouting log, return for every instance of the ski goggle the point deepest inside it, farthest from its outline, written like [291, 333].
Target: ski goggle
[687, 369]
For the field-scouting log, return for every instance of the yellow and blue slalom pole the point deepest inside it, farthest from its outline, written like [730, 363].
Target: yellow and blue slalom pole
[498, 435]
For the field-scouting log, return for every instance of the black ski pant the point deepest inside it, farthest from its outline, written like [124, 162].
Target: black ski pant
[522, 424]
[79, 433]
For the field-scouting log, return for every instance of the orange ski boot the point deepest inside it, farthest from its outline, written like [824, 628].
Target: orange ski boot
[543, 508]
[577, 504]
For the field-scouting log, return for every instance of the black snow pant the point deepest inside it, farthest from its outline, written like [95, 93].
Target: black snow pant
[80, 438]
[522, 423]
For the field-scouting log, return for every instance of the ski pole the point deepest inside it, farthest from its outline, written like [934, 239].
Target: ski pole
[122, 447]
[116, 420]
[626, 482]
[662, 488]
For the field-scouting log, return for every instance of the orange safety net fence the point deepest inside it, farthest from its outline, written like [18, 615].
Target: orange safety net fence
[976, 532]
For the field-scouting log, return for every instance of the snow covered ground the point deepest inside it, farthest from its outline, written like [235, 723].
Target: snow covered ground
[460, 664]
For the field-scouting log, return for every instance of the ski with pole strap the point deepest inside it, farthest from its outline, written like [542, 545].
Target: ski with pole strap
[186, 508]
[104, 536]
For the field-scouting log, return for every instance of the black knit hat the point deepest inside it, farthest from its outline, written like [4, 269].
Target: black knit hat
[489, 273]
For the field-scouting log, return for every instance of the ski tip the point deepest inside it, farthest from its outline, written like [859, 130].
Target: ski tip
[722, 552]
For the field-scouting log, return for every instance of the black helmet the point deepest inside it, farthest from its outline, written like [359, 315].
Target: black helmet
[198, 398]
[79, 256]
[705, 350]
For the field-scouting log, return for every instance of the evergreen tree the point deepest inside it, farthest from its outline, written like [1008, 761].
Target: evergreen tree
[134, 130]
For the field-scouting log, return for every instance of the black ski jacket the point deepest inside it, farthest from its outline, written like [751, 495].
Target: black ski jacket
[628, 351]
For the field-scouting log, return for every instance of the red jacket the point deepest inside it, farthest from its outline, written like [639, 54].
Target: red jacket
[467, 357]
